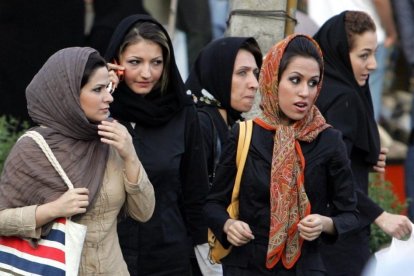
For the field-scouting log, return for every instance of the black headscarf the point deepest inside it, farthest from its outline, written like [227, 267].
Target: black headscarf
[157, 107]
[213, 72]
[346, 105]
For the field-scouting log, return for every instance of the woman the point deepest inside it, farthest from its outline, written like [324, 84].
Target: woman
[280, 236]
[224, 81]
[152, 104]
[348, 42]
[69, 100]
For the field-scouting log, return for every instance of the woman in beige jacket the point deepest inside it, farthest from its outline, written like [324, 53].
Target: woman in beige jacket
[69, 99]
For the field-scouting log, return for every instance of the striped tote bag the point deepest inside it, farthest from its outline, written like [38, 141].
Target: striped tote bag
[57, 253]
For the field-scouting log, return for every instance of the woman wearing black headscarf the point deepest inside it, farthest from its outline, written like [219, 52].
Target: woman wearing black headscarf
[348, 42]
[224, 81]
[151, 102]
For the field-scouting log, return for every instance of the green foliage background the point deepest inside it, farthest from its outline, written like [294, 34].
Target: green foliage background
[8, 136]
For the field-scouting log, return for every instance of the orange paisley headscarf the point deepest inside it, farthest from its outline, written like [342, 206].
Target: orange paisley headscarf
[288, 200]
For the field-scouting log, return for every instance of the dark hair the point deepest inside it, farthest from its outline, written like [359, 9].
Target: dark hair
[150, 31]
[303, 47]
[357, 23]
[94, 62]
[251, 46]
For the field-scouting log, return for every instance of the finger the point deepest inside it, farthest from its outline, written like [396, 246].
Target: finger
[112, 66]
[107, 125]
[384, 150]
[81, 190]
[379, 169]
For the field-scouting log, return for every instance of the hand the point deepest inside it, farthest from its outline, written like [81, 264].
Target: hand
[71, 203]
[310, 227]
[115, 134]
[113, 73]
[380, 166]
[238, 232]
[397, 226]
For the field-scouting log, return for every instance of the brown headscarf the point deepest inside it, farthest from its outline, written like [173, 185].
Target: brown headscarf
[288, 200]
[53, 102]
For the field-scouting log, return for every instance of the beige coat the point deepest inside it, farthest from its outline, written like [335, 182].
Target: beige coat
[101, 253]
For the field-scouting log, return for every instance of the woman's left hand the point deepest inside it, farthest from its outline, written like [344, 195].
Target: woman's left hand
[310, 227]
[115, 134]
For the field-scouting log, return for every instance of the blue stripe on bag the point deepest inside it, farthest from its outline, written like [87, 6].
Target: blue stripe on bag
[57, 236]
[28, 266]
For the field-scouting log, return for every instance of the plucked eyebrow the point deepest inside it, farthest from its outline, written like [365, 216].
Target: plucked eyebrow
[300, 74]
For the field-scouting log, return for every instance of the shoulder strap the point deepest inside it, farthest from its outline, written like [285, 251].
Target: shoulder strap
[243, 145]
[38, 138]
[216, 145]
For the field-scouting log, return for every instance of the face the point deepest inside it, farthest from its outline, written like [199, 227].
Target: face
[143, 62]
[95, 96]
[244, 82]
[298, 88]
[363, 56]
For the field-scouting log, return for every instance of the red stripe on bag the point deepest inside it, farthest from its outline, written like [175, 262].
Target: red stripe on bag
[40, 251]
[61, 220]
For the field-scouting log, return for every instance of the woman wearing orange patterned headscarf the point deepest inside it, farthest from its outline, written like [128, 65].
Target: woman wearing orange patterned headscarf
[297, 172]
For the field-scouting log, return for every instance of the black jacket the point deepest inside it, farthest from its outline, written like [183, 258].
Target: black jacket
[347, 106]
[328, 183]
[170, 155]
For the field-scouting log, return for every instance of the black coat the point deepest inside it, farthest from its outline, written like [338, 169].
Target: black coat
[348, 107]
[328, 183]
[170, 155]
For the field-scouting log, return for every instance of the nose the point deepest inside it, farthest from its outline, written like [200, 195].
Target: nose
[146, 71]
[304, 90]
[108, 98]
[372, 63]
[253, 82]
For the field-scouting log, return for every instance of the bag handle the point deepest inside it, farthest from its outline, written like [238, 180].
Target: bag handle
[243, 145]
[38, 138]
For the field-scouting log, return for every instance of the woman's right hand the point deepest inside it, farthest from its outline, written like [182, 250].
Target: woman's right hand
[238, 232]
[72, 202]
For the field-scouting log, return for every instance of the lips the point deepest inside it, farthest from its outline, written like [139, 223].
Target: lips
[301, 106]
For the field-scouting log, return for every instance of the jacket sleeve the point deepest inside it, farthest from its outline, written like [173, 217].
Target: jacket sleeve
[19, 222]
[220, 194]
[343, 195]
[140, 201]
[195, 179]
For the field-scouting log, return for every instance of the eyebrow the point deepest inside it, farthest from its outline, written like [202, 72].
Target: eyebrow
[247, 67]
[296, 72]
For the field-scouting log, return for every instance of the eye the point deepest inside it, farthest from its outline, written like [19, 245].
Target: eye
[242, 73]
[134, 61]
[157, 62]
[313, 83]
[256, 73]
[294, 80]
[364, 56]
[97, 89]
